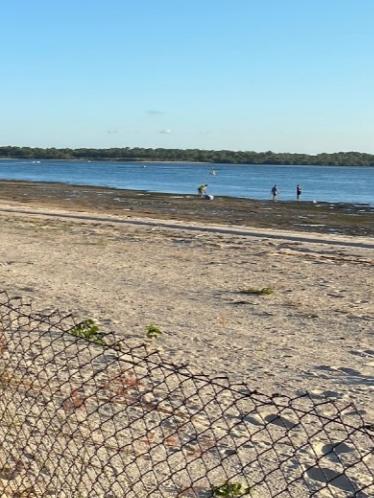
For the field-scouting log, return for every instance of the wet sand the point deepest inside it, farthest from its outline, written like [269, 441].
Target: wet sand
[301, 216]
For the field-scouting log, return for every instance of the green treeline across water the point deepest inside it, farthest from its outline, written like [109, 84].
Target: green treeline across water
[191, 155]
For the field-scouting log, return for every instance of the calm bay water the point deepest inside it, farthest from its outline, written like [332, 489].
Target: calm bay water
[321, 183]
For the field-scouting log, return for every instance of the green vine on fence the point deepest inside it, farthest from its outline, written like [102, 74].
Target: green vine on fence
[230, 490]
[89, 330]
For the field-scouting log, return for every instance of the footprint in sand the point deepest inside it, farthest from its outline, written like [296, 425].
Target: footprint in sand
[336, 479]
[253, 419]
[333, 451]
[345, 375]
[280, 421]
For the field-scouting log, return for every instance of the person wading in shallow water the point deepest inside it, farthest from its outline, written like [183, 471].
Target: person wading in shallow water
[274, 192]
[298, 192]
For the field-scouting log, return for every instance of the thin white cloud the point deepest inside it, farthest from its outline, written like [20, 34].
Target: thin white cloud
[166, 131]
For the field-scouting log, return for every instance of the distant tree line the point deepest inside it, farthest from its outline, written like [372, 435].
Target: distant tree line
[190, 155]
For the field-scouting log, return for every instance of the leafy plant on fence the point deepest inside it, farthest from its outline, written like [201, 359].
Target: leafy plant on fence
[230, 490]
[88, 330]
[152, 331]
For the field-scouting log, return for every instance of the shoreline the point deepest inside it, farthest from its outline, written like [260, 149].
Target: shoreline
[182, 161]
[370, 207]
[300, 216]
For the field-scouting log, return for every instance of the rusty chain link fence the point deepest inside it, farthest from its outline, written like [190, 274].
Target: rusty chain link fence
[82, 415]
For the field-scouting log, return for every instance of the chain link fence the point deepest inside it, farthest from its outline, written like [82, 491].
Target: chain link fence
[82, 415]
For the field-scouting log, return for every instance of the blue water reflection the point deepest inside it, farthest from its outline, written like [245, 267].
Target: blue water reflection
[322, 183]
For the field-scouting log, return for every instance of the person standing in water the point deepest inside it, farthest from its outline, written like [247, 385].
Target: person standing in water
[274, 192]
[298, 192]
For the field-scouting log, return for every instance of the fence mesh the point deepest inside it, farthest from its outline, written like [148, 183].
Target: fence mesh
[90, 417]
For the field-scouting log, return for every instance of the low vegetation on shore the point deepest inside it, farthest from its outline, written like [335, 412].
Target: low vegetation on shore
[190, 155]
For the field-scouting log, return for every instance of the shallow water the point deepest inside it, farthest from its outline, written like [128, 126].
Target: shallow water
[321, 183]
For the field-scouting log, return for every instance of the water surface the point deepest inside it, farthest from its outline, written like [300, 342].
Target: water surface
[321, 183]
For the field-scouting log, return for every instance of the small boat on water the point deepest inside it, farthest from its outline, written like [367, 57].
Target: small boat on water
[213, 172]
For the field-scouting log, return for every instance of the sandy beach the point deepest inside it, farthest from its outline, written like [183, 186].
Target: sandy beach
[196, 281]
[187, 257]
[314, 332]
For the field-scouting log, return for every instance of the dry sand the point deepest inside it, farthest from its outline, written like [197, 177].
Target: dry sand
[315, 332]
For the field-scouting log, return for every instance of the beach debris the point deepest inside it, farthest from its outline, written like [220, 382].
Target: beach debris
[265, 291]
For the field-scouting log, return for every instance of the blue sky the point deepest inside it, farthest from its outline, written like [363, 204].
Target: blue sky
[281, 75]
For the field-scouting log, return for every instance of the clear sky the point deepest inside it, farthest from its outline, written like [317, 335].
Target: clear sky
[281, 75]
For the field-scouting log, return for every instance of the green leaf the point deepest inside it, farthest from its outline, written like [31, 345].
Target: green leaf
[230, 490]
[152, 331]
[89, 330]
